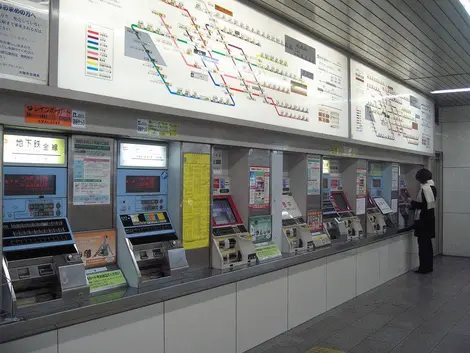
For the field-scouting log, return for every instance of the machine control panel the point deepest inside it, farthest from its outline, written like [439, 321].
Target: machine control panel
[21, 235]
[142, 224]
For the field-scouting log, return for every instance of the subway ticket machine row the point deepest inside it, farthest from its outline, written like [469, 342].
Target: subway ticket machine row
[232, 244]
[148, 246]
[41, 262]
[339, 219]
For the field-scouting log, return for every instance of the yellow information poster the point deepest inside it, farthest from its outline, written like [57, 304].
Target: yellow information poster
[196, 200]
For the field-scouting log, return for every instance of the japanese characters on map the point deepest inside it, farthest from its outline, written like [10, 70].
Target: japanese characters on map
[388, 113]
[225, 59]
[24, 40]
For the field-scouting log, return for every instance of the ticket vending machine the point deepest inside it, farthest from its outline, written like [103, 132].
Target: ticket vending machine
[296, 235]
[347, 223]
[382, 192]
[232, 244]
[148, 246]
[339, 220]
[41, 262]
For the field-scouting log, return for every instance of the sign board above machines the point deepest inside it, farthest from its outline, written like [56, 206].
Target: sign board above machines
[41, 150]
[134, 155]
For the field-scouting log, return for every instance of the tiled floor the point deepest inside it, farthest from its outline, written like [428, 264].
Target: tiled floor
[410, 314]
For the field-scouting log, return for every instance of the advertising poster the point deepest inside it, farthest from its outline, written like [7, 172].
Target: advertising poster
[196, 200]
[259, 187]
[315, 220]
[313, 175]
[97, 248]
[91, 171]
[360, 206]
[24, 33]
[260, 229]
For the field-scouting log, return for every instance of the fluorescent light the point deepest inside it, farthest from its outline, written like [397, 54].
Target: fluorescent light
[466, 5]
[454, 90]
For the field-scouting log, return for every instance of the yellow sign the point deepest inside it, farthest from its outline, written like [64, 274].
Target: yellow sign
[196, 200]
[26, 149]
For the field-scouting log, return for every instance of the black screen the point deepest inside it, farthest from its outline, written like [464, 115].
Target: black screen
[142, 183]
[29, 184]
[340, 201]
[222, 212]
[325, 183]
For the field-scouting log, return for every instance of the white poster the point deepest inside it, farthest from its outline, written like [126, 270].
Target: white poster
[388, 113]
[395, 205]
[91, 171]
[224, 60]
[24, 40]
[313, 175]
[360, 206]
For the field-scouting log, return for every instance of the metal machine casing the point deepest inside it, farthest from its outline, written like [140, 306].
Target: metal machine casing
[148, 246]
[41, 260]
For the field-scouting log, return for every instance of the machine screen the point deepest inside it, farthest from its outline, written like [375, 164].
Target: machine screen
[142, 183]
[31, 184]
[340, 201]
[376, 183]
[325, 183]
[222, 212]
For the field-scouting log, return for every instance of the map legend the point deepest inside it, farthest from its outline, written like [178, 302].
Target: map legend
[99, 52]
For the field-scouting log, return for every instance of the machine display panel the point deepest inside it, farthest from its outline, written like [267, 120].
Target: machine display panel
[376, 183]
[222, 212]
[142, 183]
[29, 184]
[340, 201]
[133, 155]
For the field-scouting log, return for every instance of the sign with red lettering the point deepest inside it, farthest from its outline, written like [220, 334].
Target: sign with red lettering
[44, 115]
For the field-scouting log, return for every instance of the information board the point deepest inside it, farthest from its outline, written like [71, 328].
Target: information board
[30, 149]
[390, 114]
[24, 40]
[212, 57]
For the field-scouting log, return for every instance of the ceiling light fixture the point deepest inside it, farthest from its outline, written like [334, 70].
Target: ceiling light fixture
[466, 5]
[454, 90]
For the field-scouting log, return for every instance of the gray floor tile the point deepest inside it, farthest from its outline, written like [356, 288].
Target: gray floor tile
[463, 326]
[409, 319]
[418, 342]
[346, 339]
[390, 309]
[453, 343]
[369, 346]
[390, 334]
[373, 321]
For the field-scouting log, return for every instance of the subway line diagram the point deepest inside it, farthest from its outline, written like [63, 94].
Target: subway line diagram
[211, 56]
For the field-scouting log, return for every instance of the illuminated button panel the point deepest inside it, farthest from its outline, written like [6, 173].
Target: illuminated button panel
[18, 209]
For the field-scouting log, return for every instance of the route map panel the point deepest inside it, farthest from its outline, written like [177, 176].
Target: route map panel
[387, 113]
[206, 57]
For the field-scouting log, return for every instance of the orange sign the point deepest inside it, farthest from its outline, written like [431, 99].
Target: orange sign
[40, 114]
[97, 248]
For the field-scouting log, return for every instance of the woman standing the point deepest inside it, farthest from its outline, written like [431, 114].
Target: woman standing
[425, 225]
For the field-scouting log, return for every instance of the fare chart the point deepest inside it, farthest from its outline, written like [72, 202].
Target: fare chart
[208, 57]
[387, 113]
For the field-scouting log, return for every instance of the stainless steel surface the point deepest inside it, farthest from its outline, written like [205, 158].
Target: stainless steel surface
[425, 43]
[187, 283]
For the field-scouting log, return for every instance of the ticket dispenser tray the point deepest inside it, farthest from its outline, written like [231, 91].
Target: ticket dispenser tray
[232, 247]
[42, 265]
[150, 249]
[296, 236]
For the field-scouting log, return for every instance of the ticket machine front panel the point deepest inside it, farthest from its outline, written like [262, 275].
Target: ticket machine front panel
[40, 255]
[148, 245]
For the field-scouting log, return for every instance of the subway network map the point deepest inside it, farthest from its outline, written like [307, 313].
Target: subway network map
[215, 57]
[386, 112]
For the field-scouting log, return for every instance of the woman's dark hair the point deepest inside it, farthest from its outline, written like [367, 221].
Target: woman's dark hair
[423, 175]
